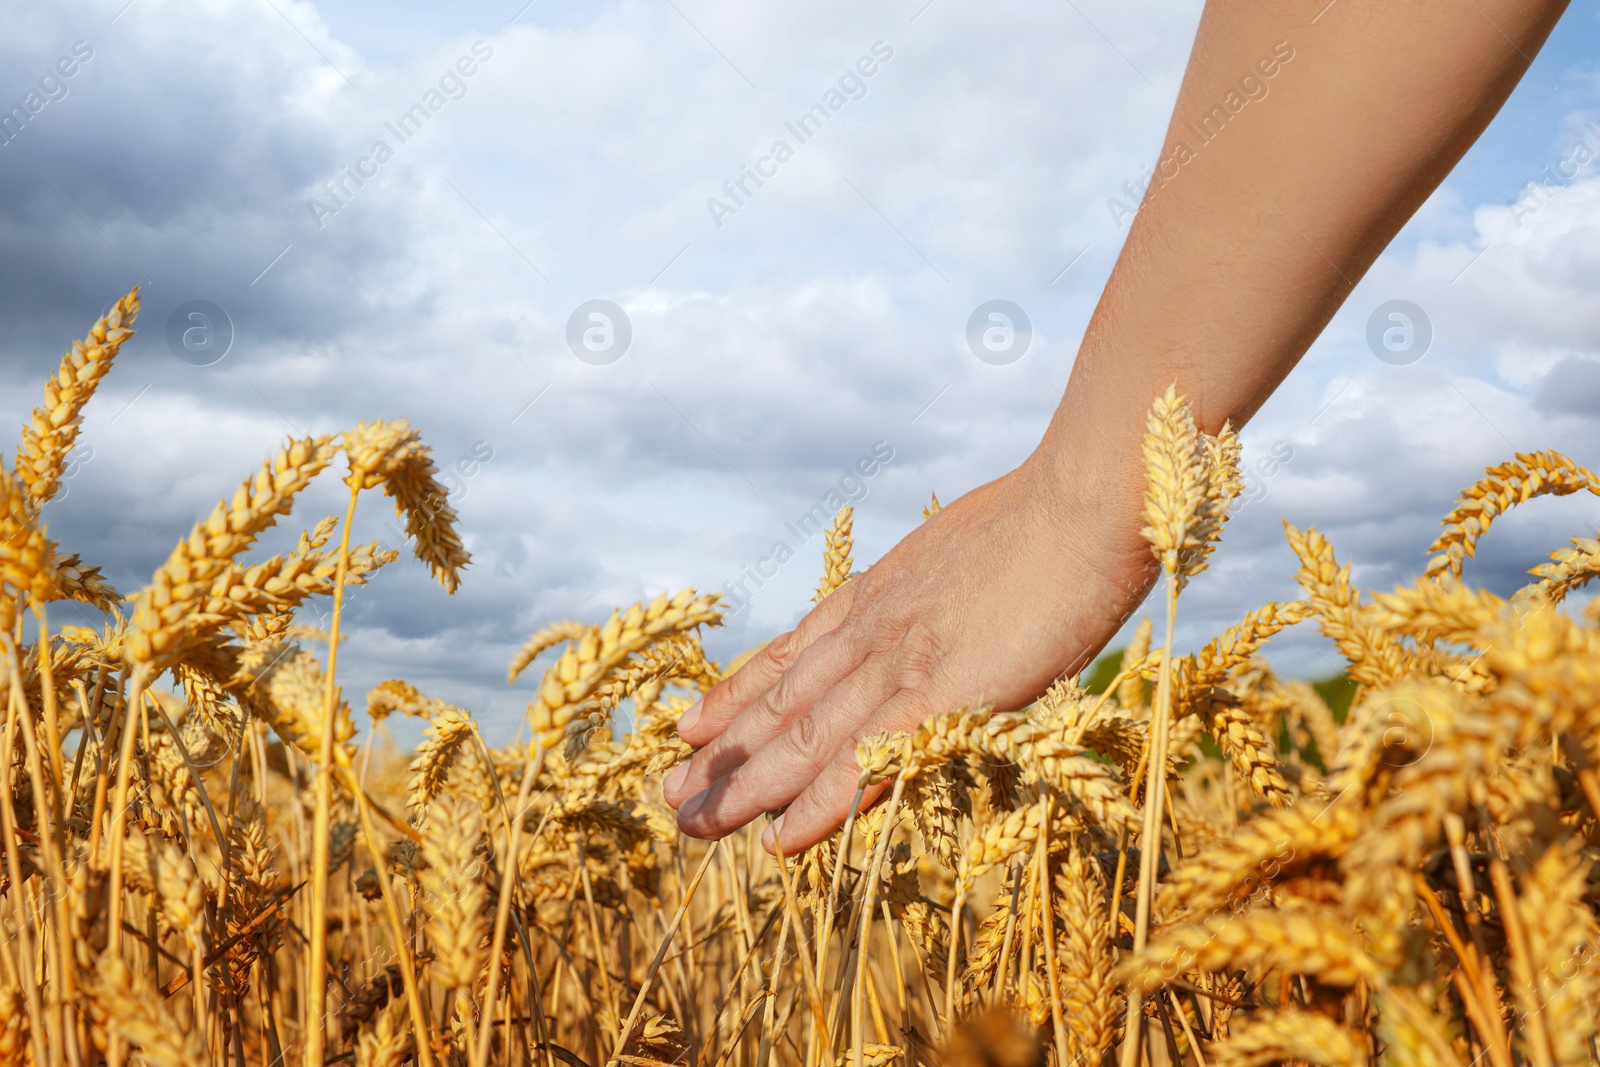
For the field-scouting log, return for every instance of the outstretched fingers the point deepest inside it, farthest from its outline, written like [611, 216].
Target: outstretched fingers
[706, 720]
[738, 779]
[824, 804]
[789, 700]
[823, 807]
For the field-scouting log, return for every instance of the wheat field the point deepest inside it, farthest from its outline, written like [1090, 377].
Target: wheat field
[207, 862]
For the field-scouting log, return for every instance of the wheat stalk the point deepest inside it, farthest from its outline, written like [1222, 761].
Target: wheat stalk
[1178, 517]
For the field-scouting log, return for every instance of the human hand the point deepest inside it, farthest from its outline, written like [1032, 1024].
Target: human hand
[1222, 283]
[987, 602]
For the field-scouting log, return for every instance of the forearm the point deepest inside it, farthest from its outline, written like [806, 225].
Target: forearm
[1259, 221]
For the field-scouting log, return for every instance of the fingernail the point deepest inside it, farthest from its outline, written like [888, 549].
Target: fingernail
[693, 805]
[675, 780]
[769, 840]
[690, 717]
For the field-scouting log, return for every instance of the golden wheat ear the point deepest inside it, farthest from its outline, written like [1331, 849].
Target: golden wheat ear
[1292, 1034]
[594, 658]
[448, 730]
[1088, 958]
[394, 695]
[1568, 569]
[996, 1037]
[173, 612]
[1501, 488]
[1311, 941]
[391, 454]
[1176, 481]
[296, 691]
[549, 637]
[52, 431]
[839, 541]
[385, 1045]
[47, 439]
[28, 565]
[128, 1006]
[658, 1040]
[453, 895]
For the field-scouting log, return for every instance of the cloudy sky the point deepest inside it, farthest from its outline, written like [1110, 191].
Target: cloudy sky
[540, 156]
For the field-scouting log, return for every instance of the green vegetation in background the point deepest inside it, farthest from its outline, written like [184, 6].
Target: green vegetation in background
[1104, 669]
[1337, 690]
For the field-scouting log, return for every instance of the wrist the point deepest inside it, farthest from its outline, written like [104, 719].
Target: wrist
[1088, 470]
[1088, 496]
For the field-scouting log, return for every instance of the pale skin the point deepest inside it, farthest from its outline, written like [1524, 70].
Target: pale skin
[1231, 268]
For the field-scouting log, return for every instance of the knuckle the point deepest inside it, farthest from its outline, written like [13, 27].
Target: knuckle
[805, 737]
[916, 657]
[766, 710]
[781, 651]
[811, 627]
[750, 681]
[858, 640]
[826, 616]
[767, 714]
[867, 582]
[786, 694]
